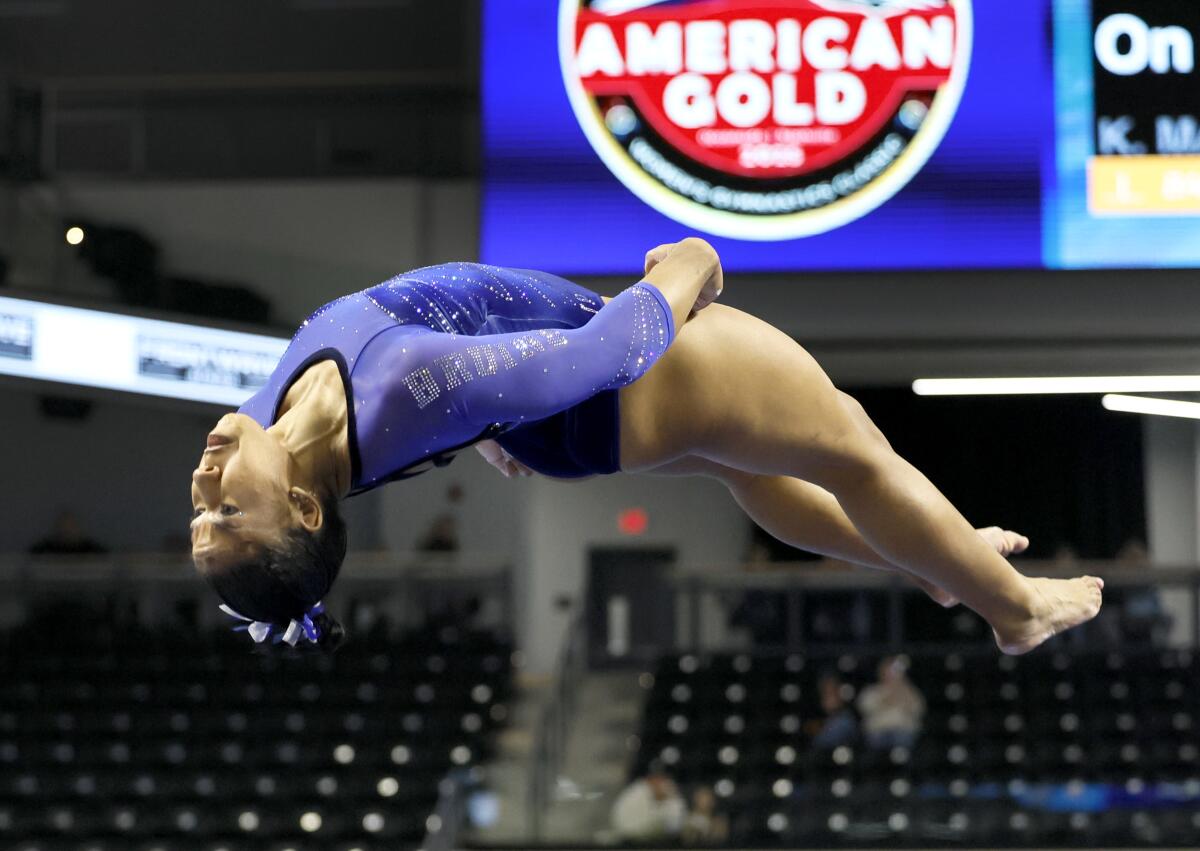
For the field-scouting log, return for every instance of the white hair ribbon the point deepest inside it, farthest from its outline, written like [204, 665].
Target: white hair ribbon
[260, 630]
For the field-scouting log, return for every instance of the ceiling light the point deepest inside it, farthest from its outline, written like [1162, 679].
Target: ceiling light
[1051, 385]
[1147, 405]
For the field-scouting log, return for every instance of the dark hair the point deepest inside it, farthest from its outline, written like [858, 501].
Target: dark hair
[282, 584]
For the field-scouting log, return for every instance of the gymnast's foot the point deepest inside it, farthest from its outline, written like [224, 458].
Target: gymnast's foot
[1002, 540]
[1060, 604]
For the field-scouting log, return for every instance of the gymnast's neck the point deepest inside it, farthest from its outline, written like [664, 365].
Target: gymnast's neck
[313, 427]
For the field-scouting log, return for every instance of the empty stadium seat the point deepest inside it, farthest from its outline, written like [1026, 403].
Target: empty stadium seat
[178, 741]
[1052, 749]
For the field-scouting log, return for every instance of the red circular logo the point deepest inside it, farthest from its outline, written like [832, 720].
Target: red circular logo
[764, 119]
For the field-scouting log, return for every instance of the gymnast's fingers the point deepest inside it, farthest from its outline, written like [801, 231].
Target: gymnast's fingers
[490, 450]
[658, 254]
[512, 466]
[494, 455]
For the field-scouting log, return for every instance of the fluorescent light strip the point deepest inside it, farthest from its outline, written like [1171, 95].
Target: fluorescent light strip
[1156, 407]
[1050, 385]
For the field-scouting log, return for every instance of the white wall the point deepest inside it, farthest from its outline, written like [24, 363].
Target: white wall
[489, 515]
[124, 470]
[304, 242]
[300, 243]
[1172, 481]
[1172, 506]
[544, 529]
[564, 519]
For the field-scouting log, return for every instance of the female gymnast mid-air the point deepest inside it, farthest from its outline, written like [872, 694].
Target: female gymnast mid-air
[541, 375]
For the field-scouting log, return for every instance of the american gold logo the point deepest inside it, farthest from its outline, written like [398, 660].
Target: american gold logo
[764, 119]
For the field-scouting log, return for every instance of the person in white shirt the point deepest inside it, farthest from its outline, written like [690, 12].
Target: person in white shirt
[892, 708]
[649, 808]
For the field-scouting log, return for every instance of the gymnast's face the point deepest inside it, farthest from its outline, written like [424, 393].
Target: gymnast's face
[241, 494]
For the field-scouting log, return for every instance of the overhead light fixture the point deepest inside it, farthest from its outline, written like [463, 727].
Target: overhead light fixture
[1150, 405]
[1056, 385]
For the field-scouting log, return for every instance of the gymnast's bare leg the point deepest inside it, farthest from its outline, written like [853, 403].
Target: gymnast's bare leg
[736, 391]
[803, 515]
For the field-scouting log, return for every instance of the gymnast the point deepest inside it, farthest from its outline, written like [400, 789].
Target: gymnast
[541, 375]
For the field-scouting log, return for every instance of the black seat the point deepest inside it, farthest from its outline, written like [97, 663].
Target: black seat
[161, 740]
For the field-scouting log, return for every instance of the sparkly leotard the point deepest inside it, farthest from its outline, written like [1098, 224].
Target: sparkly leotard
[439, 358]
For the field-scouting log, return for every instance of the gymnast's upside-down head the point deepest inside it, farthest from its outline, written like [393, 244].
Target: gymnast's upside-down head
[269, 542]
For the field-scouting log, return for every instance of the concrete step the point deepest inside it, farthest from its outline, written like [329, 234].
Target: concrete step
[507, 775]
[598, 752]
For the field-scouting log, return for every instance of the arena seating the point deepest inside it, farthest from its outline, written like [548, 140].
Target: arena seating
[168, 739]
[1046, 750]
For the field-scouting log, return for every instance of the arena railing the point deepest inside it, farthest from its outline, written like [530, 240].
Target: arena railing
[443, 827]
[406, 588]
[550, 743]
[794, 595]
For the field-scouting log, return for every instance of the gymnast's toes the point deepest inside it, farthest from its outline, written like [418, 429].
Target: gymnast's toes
[1062, 604]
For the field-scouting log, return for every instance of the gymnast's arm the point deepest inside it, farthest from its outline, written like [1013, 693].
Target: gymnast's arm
[528, 375]
[692, 277]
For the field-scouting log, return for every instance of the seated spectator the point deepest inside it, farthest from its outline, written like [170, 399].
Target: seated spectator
[650, 808]
[1139, 610]
[1065, 557]
[892, 708]
[704, 825]
[441, 537]
[442, 534]
[839, 726]
[1133, 553]
[66, 537]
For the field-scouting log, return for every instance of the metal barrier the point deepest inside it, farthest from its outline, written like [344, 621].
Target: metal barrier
[795, 596]
[404, 589]
[444, 824]
[554, 725]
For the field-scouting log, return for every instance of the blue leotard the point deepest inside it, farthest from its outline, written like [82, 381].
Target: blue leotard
[439, 358]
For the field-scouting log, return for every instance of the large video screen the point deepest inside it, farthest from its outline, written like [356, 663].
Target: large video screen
[842, 134]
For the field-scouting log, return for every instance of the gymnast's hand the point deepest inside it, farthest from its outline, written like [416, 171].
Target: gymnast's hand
[712, 287]
[495, 455]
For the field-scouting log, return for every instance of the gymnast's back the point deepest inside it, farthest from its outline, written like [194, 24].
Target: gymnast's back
[475, 299]
[414, 340]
